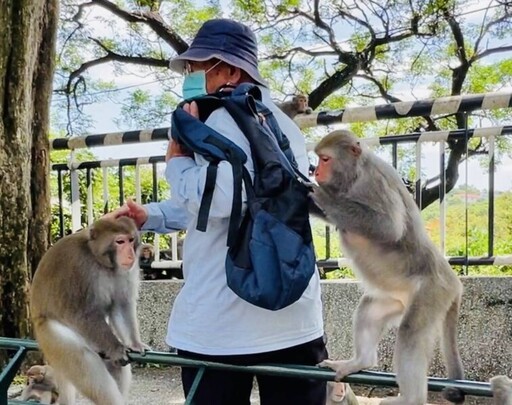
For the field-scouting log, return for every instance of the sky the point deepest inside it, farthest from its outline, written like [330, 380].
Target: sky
[104, 114]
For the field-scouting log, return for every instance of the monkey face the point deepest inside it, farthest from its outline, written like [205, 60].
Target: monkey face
[35, 374]
[323, 171]
[125, 251]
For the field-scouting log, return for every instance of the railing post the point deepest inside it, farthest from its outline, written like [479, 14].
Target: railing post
[9, 372]
[195, 385]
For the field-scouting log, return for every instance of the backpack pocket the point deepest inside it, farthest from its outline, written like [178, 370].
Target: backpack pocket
[281, 264]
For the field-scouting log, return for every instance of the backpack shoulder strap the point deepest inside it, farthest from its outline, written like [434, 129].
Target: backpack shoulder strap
[214, 147]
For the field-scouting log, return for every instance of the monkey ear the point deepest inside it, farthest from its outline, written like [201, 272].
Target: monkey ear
[356, 150]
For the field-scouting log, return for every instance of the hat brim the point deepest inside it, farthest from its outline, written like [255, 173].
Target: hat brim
[197, 54]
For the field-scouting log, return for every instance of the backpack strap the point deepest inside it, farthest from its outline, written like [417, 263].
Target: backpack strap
[206, 200]
[260, 109]
[214, 147]
[238, 168]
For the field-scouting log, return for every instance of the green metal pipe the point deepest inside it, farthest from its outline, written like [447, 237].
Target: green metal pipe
[435, 384]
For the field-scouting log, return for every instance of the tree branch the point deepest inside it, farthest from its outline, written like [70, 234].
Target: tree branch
[334, 82]
[491, 51]
[151, 18]
[113, 57]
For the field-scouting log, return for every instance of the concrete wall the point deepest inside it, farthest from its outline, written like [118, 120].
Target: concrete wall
[485, 326]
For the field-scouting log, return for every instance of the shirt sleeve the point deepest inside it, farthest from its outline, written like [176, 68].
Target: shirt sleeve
[166, 217]
[187, 176]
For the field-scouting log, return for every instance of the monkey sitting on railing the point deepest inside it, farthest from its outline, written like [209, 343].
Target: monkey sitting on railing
[297, 105]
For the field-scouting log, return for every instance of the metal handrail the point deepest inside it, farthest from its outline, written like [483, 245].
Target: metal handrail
[435, 384]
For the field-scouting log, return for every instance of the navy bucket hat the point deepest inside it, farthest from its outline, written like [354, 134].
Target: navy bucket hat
[226, 40]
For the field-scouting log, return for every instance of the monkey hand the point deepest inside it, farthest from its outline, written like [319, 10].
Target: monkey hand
[139, 347]
[117, 356]
[320, 198]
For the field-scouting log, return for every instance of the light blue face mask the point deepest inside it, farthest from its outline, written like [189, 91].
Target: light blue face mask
[194, 83]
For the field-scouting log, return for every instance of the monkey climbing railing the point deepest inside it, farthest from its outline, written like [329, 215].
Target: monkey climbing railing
[22, 346]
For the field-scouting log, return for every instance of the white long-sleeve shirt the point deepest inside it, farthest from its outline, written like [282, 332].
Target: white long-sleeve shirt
[207, 317]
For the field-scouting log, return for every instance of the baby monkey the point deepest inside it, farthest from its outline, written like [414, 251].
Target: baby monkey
[406, 279]
[41, 386]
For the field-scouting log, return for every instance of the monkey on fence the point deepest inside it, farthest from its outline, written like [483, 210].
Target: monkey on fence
[501, 387]
[41, 385]
[297, 105]
[83, 305]
[407, 280]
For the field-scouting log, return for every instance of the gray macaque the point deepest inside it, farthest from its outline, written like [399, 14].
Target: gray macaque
[297, 105]
[501, 387]
[41, 386]
[407, 281]
[83, 306]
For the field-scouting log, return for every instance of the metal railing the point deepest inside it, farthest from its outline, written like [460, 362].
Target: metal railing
[445, 105]
[435, 384]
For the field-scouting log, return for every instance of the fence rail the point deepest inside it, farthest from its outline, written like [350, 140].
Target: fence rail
[444, 105]
[435, 384]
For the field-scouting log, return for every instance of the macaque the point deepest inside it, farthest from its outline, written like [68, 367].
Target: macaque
[297, 105]
[407, 281]
[340, 393]
[83, 306]
[501, 387]
[146, 255]
[41, 386]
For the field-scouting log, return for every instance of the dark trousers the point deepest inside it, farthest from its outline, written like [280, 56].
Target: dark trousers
[219, 387]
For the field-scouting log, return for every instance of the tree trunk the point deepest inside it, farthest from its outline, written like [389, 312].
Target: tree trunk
[27, 54]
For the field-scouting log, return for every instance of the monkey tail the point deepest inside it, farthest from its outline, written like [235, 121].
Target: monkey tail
[451, 353]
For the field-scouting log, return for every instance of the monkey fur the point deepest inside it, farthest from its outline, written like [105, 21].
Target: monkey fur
[41, 385]
[297, 105]
[501, 387]
[406, 279]
[83, 307]
[340, 393]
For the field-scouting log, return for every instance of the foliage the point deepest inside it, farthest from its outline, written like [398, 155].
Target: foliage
[99, 204]
[463, 238]
[341, 53]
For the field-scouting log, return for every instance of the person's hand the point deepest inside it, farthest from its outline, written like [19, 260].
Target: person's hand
[192, 109]
[131, 209]
[174, 149]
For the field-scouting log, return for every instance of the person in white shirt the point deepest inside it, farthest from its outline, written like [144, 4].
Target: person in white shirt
[208, 320]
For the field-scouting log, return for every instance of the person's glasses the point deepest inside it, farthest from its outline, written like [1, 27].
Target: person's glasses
[187, 69]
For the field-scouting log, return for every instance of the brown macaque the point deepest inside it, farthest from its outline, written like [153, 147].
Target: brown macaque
[407, 280]
[83, 306]
[297, 105]
[41, 386]
[147, 255]
[340, 393]
[501, 387]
